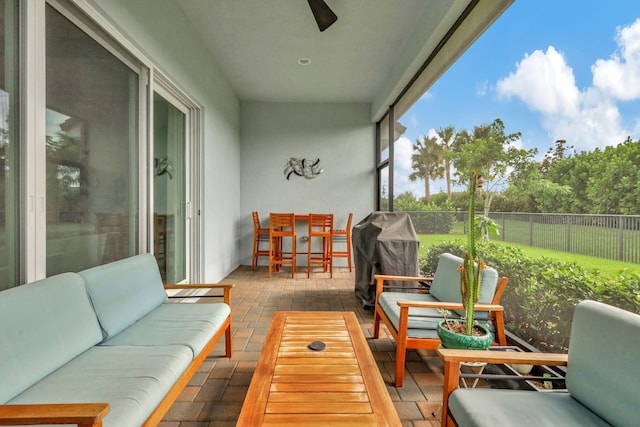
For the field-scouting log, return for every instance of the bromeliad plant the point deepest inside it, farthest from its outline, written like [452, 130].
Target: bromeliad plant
[471, 267]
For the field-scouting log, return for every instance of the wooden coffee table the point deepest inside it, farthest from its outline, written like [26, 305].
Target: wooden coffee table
[293, 384]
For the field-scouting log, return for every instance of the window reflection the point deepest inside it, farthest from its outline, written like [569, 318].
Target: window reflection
[10, 250]
[384, 189]
[91, 150]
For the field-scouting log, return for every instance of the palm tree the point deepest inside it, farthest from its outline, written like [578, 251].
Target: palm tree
[449, 138]
[426, 162]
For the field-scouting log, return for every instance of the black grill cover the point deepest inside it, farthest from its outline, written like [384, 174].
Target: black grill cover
[383, 243]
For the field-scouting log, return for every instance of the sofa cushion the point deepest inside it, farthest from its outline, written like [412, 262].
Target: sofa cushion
[43, 325]
[603, 355]
[446, 281]
[133, 379]
[191, 325]
[124, 291]
[482, 407]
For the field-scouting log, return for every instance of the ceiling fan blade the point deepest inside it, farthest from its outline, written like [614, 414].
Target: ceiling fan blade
[323, 14]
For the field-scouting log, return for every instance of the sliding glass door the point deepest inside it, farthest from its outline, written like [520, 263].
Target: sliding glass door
[10, 248]
[81, 181]
[170, 188]
[92, 190]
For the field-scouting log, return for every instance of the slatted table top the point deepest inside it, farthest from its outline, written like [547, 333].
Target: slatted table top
[340, 385]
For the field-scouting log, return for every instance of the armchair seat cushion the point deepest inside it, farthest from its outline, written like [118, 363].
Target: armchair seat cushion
[423, 322]
[491, 408]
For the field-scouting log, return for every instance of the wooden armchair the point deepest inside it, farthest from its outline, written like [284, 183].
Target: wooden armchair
[412, 317]
[601, 379]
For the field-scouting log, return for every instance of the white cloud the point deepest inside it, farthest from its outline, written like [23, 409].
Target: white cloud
[481, 88]
[403, 149]
[619, 76]
[413, 121]
[427, 95]
[586, 119]
[545, 82]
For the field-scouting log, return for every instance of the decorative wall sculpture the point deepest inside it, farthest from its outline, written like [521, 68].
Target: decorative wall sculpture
[302, 167]
[163, 166]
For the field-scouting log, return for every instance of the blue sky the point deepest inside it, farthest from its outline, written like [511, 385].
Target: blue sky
[562, 69]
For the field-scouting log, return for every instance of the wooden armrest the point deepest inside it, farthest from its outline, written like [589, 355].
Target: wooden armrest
[380, 279]
[502, 357]
[447, 305]
[198, 286]
[82, 414]
[225, 286]
[453, 358]
[403, 278]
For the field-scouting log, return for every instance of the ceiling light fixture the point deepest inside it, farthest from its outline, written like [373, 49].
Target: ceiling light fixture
[304, 61]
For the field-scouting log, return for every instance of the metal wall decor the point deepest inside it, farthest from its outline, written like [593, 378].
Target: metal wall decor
[302, 167]
[163, 166]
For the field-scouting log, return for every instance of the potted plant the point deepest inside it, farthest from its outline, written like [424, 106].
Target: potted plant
[464, 333]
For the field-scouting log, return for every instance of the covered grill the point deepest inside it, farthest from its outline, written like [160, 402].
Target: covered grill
[383, 243]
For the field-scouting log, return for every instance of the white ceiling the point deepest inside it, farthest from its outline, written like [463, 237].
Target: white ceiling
[367, 56]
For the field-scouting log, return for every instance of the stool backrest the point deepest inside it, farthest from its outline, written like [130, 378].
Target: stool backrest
[282, 222]
[256, 221]
[320, 223]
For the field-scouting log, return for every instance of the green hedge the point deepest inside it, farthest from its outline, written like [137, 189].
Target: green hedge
[542, 292]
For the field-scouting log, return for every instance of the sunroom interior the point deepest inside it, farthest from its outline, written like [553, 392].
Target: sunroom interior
[94, 90]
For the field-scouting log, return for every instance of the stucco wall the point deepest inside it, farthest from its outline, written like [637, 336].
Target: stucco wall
[341, 135]
[247, 145]
[162, 32]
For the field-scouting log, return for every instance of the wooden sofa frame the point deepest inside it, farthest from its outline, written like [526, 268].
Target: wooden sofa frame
[404, 342]
[92, 414]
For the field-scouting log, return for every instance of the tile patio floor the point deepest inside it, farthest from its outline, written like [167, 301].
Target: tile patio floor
[215, 394]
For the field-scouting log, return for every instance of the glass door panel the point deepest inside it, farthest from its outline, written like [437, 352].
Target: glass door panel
[169, 186]
[91, 150]
[10, 250]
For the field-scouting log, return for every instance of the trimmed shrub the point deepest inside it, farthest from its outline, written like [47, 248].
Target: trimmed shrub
[543, 293]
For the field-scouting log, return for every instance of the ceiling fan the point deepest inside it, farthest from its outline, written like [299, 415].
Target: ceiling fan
[323, 14]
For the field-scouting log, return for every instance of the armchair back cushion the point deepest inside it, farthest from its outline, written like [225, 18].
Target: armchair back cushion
[124, 291]
[446, 282]
[44, 325]
[603, 360]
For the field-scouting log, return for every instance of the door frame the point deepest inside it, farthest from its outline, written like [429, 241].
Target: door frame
[193, 135]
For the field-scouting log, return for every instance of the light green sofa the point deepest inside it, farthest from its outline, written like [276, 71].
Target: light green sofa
[105, 335]
[602, 379]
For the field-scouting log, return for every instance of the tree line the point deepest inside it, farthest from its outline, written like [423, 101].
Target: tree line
[602, 181]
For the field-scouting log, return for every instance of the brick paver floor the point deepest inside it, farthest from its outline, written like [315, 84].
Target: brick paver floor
[215, 394]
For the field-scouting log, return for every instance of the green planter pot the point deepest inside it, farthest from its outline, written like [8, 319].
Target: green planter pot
[465, 342]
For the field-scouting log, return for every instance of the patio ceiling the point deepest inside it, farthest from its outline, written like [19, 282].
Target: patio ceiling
[368, 56]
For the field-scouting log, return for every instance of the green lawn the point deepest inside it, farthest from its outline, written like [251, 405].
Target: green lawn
[608, 267]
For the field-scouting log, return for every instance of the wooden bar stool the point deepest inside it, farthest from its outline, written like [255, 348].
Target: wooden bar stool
[282, 225]
[260, 235]
[343, 237]
[320, 225]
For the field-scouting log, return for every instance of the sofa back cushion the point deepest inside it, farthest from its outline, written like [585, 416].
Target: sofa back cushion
[124, 291]
[43, 325]
[603, 362]
[446, 281]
